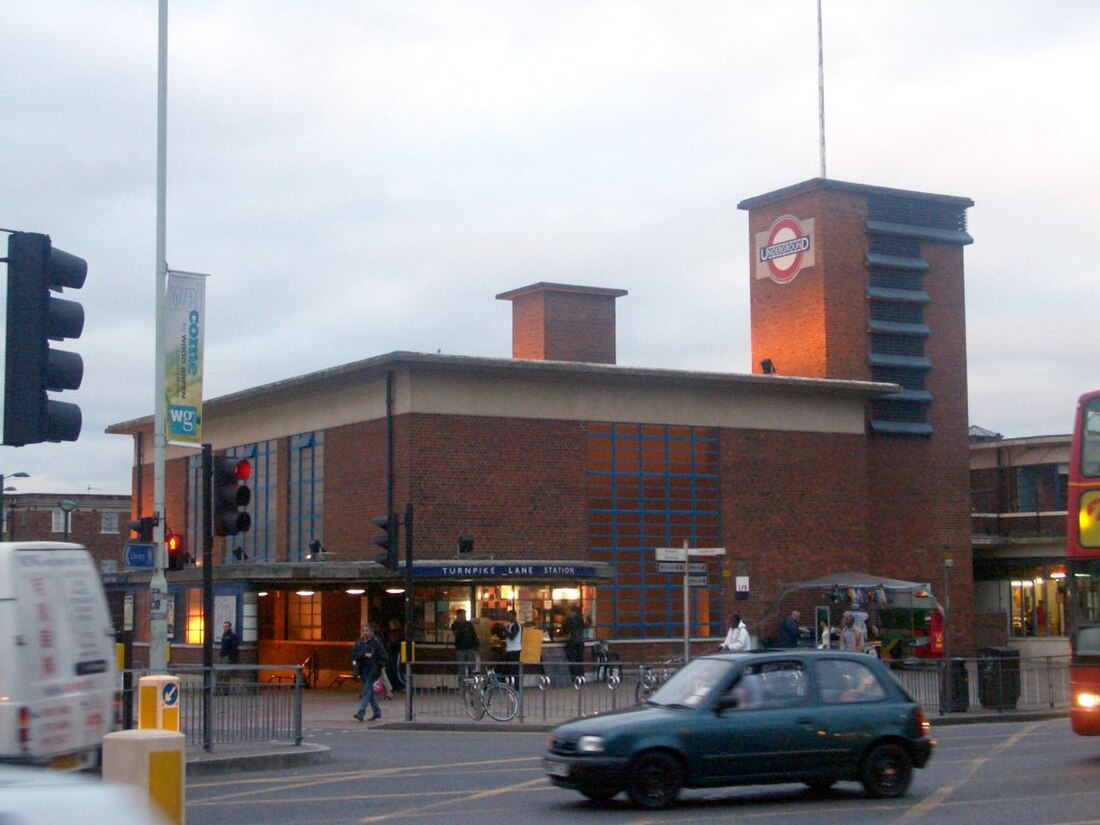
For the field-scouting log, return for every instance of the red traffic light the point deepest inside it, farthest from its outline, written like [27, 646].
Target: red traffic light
[230, 495]
[177, 556]
[243, 470]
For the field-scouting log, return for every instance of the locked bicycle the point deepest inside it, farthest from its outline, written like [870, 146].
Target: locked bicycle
[485, 693]
[652, 677]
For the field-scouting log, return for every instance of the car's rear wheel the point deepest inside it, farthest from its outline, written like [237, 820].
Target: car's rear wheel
[655, 780]
[820, 785]
[600, 796]
[887, 771]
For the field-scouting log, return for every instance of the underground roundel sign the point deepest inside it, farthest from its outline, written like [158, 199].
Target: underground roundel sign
[785, 248]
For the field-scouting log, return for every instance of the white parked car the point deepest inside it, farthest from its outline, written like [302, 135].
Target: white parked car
[39, 796]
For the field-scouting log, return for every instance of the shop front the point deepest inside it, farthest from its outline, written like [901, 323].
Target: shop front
[309, 615]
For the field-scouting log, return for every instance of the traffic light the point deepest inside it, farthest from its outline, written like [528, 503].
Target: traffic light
[35, 318]
[230, 495]
[144, 527]
[177, 556]
[387, 540]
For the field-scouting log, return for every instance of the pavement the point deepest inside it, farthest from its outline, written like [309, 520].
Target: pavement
[332, 709]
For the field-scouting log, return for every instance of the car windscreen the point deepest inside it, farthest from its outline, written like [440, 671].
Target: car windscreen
[693, 683]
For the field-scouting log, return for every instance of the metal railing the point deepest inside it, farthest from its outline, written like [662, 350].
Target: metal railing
[986, 683]
[551, 692]
[547, 692]
[237, 709]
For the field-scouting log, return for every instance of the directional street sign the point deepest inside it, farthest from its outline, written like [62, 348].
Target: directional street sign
[672, 554]
[141, 556]
[678, 567]
[706, 551]
[698, 581]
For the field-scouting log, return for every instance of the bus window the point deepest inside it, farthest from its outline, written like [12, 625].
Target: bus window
[1087, 642]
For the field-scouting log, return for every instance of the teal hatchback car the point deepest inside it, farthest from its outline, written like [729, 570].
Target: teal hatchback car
[811, 716]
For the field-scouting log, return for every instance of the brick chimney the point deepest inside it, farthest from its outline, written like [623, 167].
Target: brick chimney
[559, 322]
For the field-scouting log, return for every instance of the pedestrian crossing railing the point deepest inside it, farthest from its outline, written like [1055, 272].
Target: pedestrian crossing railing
[229, 705]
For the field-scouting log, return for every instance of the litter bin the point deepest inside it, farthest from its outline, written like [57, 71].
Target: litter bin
[955, 687]
[999, 677]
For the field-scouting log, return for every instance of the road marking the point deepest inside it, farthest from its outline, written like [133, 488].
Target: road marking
[937, 797]
[473, 797]
[261, 786]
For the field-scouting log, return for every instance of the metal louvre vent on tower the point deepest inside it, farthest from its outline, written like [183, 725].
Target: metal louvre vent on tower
[896, 226]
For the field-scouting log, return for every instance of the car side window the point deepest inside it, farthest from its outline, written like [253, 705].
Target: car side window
[844, 682]
[771, 685]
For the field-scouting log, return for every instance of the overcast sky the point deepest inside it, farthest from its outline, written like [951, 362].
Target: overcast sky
[363, 177]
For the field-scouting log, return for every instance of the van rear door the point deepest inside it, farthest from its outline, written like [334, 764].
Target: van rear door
[58, 701]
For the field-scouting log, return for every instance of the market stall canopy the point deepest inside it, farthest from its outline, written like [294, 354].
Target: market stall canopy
[865, 588]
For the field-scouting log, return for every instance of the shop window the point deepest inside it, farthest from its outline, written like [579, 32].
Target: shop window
[1037, 601]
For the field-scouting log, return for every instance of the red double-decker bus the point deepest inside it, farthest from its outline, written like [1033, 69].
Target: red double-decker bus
[1083, 566]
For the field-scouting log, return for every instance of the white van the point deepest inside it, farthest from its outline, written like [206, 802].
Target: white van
[58, 679]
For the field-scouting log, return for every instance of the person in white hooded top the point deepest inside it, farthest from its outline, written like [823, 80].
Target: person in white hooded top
[737, 639]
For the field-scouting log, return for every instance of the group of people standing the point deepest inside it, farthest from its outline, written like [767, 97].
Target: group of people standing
[466, 642]
[854, 632]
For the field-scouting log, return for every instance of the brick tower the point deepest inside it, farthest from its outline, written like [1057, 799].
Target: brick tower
[860, 282]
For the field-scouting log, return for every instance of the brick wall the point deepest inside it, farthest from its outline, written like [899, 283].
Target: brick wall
[794, 507]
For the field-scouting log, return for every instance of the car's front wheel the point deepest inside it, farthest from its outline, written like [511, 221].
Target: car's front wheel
[887, 771]
[655, 780]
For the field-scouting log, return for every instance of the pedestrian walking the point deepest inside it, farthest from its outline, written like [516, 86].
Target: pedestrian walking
[368, 658]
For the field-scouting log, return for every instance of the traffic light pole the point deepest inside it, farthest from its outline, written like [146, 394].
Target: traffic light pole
[208, 627]
[408, 603]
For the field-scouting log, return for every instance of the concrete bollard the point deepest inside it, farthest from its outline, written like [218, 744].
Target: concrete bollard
[159, 703]
[153, 760]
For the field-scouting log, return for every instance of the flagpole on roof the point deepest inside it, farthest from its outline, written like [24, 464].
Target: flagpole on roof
[820, 89]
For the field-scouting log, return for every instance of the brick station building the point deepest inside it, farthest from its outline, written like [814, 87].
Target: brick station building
[549, 478]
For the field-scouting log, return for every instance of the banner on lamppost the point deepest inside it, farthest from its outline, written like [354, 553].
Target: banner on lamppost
[184, 322]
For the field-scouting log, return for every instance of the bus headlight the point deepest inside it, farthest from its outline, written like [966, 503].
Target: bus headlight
[1087, 700]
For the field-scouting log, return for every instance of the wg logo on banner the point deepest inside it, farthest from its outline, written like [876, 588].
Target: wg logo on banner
[182, 421]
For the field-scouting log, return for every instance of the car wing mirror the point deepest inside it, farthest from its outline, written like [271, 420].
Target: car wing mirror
[727, 702]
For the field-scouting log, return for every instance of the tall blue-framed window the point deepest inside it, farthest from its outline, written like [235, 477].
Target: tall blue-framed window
[307, 493]
[650, 486]
[261, 542]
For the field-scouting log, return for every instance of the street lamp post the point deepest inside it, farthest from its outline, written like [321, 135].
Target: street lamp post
[3, 489]
[67, 506]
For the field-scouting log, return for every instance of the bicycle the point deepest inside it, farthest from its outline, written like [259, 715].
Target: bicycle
[652, 677]
[485, 693]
